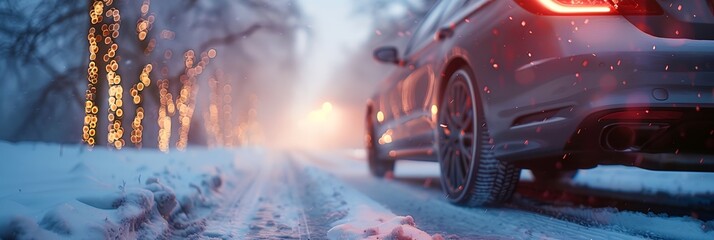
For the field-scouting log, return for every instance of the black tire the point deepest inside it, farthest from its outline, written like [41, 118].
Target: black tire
[378, 167]
[548, 176]
[470, 174]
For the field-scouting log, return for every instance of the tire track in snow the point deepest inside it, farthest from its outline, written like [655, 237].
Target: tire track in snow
[321, 203]
[262, 206]
[294, 186]
[223, 222]
[280, 213]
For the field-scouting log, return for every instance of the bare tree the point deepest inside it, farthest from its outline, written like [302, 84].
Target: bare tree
[42, 81]
[44, 45]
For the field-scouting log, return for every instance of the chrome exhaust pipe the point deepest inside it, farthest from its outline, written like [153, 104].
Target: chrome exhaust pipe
[621, 138]
[631, 137]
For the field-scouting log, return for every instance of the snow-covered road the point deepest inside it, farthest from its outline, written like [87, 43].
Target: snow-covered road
[414, 190]
[301, 195]
[288, 197]
[403, 195]
[67, 192]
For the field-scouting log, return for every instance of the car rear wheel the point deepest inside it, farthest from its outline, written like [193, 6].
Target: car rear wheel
[470, 175]
[378, 167]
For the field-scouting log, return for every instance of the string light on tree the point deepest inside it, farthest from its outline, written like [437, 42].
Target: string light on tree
[166, 108]
[89, 130]
[116, 91]
[143, 27]
[228, 136]
[136, 125]
[218, 118]
[211, 115]
[186, 99]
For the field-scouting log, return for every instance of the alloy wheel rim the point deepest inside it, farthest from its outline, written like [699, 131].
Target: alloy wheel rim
[457, 121]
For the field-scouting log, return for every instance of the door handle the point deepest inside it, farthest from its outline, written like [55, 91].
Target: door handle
[444, 33]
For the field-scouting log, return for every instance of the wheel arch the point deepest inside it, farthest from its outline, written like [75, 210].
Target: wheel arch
[369, 122]
[457, 60]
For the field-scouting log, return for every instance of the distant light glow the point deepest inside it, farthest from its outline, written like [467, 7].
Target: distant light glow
[322, 115]
[327, 107]
[380, 116]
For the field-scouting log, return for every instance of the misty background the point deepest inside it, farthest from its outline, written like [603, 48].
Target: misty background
[290, 74]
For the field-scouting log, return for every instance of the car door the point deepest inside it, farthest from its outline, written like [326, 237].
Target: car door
[412, 97]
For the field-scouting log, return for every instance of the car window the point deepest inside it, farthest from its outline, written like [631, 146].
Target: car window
[459, 8]
[423, 34]
[468, 3]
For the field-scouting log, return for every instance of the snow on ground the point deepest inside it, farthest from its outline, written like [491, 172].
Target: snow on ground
[646, 225]
[71, 192]
[53, 191]
[630, 179]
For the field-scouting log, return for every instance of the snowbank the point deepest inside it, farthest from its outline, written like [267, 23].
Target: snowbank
[631, 179]
[59, 192]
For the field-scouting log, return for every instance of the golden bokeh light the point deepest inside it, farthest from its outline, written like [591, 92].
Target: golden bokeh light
[218, 119]
[186, 100]
[136, 90]
[143, 25]
[110, 32]
[90, 108]
[105, 64]
[212, 53]
[166, 107]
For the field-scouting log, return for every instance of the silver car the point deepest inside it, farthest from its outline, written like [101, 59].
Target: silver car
[490, 87]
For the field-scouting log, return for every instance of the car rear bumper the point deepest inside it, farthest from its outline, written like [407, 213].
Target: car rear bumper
[566, 129]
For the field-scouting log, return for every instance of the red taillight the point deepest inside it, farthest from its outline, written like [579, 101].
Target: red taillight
[592, 7]
[636, 7]
[576, 7]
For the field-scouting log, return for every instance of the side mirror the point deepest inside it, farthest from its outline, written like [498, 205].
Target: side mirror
[387, 54]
